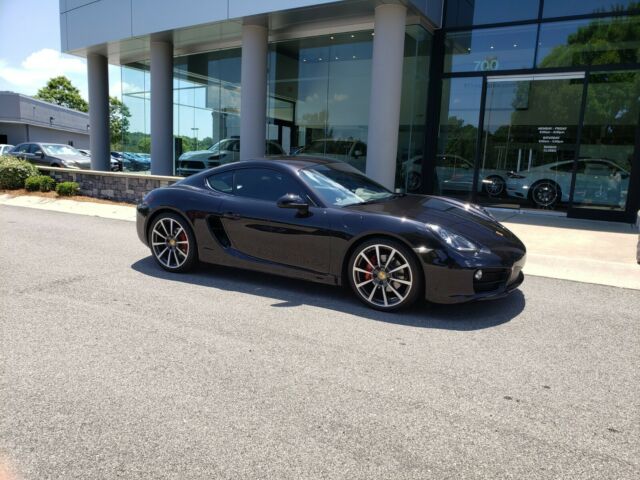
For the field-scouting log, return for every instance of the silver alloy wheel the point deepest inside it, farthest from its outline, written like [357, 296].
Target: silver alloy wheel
[170, 243]
[382, 275]
[545, 194]
[495, 187]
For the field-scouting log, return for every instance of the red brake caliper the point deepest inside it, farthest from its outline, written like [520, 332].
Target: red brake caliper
[369, 268]
[181, 238]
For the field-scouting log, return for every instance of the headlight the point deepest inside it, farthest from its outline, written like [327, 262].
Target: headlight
[455, 241]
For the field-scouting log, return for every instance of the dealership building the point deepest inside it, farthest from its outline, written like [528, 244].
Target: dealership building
[514, 104]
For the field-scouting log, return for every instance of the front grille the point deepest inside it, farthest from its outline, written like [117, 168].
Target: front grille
[191, 164]
[492, 279]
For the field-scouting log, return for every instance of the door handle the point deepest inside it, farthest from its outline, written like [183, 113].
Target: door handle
[231, 215]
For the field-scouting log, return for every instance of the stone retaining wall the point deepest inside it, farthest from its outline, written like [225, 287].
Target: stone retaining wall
[117, 186]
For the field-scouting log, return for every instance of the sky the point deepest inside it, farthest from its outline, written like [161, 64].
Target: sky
[30, 49]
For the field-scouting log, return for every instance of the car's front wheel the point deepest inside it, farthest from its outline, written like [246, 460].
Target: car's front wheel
[385, 275]
[172, 243]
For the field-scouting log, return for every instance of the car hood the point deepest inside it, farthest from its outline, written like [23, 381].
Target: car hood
[462, 218]
[79, 160]
[200, 154]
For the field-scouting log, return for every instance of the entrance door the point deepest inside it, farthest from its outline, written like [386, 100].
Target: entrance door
[529, 140]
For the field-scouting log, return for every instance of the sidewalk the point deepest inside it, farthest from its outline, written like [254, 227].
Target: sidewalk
[579, 250]
[557, 247]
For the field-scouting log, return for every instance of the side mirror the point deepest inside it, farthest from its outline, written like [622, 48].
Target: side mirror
[357, 153]
[291, 200]
[39, 153]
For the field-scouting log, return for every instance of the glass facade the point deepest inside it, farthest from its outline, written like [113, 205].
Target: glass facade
[538, 111]
[537, 105]
[317, 103]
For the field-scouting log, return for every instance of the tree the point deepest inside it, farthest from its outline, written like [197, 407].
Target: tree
[60, 90]
[118, 122]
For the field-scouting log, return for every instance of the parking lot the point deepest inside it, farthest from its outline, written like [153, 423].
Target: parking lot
[112, 368]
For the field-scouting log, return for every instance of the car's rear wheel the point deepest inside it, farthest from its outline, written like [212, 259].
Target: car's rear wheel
[545, 194]
[172, 243]
[385, 275]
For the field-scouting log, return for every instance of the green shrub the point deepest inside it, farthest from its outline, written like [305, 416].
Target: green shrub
[14, 172]
[42, 183]
[67, 189]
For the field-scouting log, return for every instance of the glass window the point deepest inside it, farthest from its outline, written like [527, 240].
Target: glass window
[457, 138]
[22, 148]
[136, 96]
[558, 8]
[529, 140]
[462, 13]
[413, 105]
[589, 42]
[223, 182]
[490, 49]
[608, 142]
[319, 92]
[265, 184]
[206, 109]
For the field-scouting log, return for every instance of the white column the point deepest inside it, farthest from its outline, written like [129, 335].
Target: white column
[99, 140]
[253, 100]
[386, 92]
[161, 108]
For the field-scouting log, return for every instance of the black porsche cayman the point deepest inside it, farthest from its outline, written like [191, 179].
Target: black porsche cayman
[324, 221]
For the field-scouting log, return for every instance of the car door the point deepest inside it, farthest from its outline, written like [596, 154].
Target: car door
[36, 155]
[258, 228]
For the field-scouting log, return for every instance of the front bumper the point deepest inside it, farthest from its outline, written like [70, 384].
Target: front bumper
[142, 214]
[448, 285]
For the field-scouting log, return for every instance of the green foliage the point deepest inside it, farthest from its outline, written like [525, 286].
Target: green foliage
[40, 183]
[60, 90]
[119, 115]
[14, 172]
[67, 189]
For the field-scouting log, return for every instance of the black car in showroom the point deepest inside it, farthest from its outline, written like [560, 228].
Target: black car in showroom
[323, 220]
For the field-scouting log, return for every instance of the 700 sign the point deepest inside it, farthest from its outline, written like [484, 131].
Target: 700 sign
[487, 65]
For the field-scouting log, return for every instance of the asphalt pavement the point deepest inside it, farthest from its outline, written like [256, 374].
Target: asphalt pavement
[113, 368]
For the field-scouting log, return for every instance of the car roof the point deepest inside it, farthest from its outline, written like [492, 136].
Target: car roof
[281, 162]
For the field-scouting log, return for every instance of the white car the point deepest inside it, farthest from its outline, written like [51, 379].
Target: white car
[547, 185]
[454, 173]
[4, 148]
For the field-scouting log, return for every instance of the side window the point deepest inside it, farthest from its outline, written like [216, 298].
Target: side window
[33, 148]
[24, 148]
[567, 167]
[265, 184]
[222, 182]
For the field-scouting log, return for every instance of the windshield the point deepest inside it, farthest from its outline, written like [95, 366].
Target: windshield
[341, 185]
[221, 146]
[52, 149]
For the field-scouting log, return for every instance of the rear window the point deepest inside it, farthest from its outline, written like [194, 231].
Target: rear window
[222, 182]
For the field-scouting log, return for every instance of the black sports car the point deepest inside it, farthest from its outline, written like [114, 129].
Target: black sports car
[324, 221]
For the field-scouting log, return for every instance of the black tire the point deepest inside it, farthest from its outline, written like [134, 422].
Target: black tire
[178, 256]
[393, 289]
[545, 194]
[496, 188]
[414, 181]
